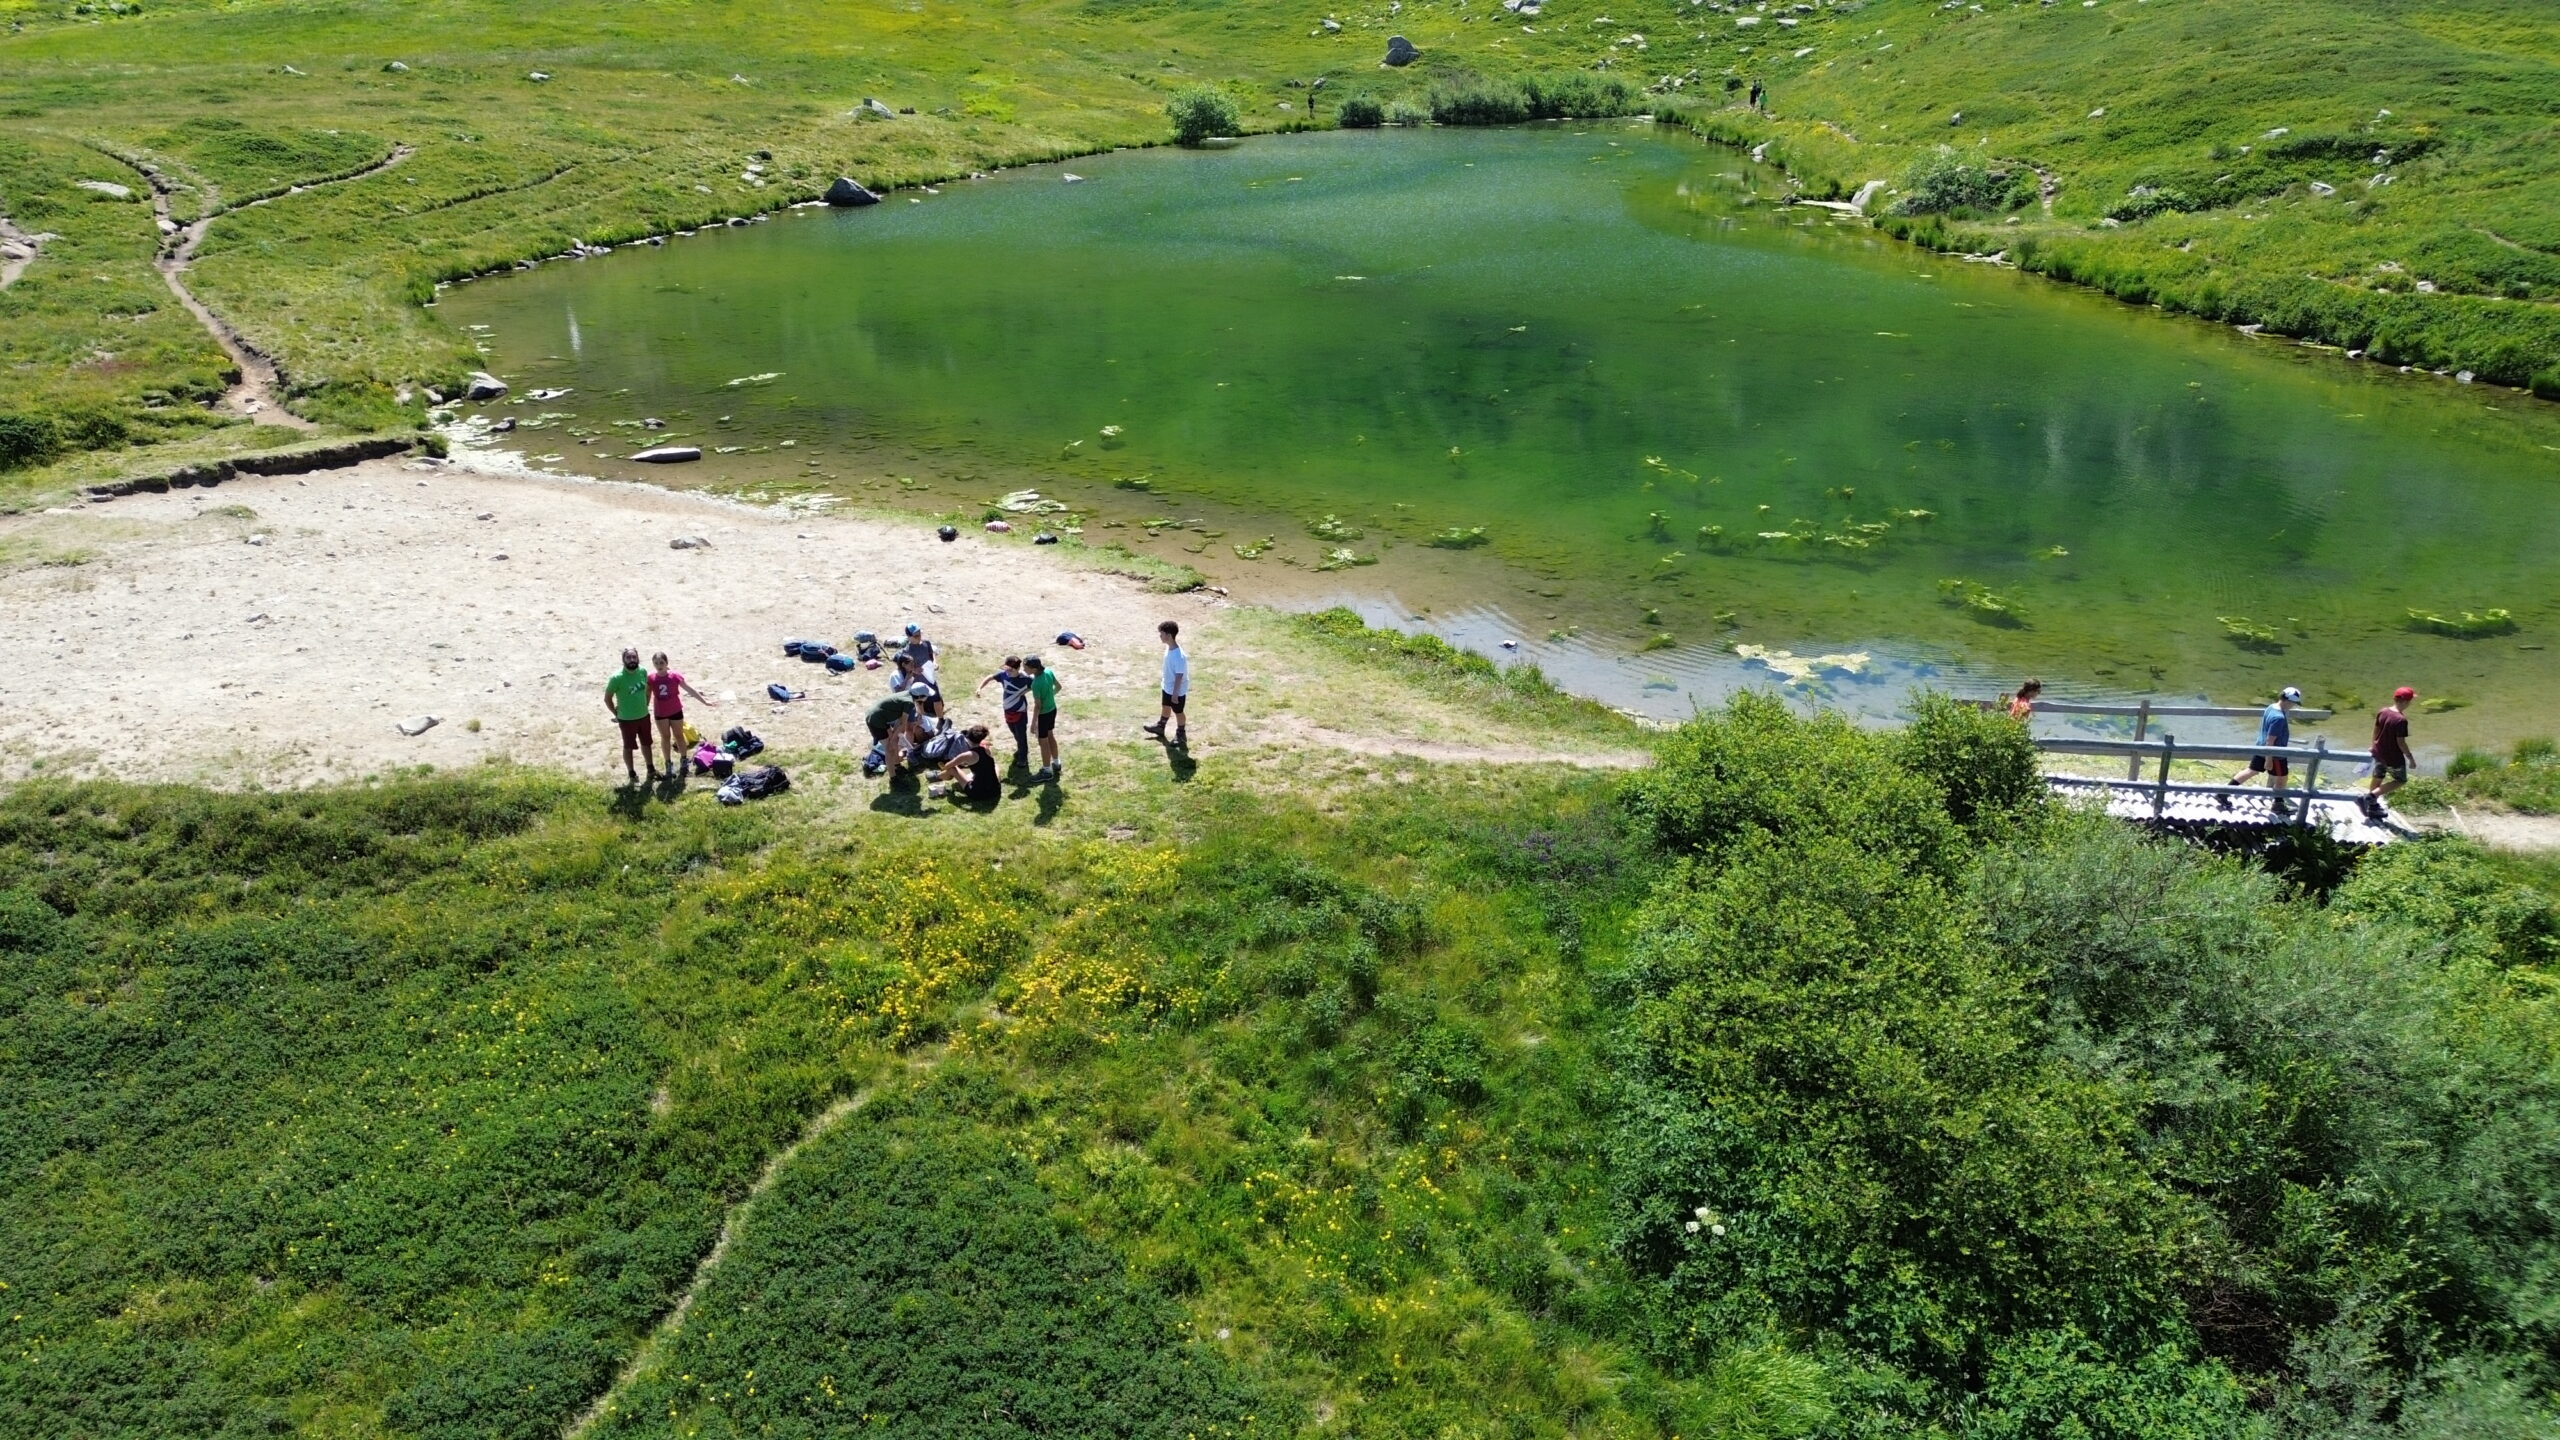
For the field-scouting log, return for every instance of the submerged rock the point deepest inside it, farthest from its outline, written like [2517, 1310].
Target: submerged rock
[484, 386]
[847, 191]
[1400, 51]
[668, 454]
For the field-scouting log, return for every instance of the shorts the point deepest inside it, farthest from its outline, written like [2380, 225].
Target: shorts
[1174, 702]
[675, 715]
[2389, 770]
[879, 730]
[1048, 724]
[2274, 765]
[634, 732]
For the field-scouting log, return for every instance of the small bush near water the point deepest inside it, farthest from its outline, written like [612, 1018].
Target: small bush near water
[1361, 112]
[1200, 112]
[1942, 182]
[1566, 94]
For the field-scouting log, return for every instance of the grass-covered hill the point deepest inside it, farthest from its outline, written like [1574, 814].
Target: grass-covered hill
[2130, 144]
[1816, 1083]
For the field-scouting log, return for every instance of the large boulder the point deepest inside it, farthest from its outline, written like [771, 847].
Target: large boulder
[848, 191]
[1400, 51]
[484, 386]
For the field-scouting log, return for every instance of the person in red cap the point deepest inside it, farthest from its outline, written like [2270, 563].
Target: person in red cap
[2392, 756]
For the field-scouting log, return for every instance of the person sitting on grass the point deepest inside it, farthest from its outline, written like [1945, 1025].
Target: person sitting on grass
[2275, 731]
[626, 699]
[971, 774]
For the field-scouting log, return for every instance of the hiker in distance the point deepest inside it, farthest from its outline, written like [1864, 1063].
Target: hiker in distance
[2275, 731]
[667, 690]
[1176, 694]
[626, 699]
[2392, 756]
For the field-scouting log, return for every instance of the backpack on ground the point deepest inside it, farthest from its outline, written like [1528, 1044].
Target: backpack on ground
[758, 781]
[741, 742]
[840, 662]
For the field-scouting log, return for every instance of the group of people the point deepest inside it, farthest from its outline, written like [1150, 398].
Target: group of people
[2392, 756]
[912, 727]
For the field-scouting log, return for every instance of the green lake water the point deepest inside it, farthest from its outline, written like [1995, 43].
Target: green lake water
[1593, 342]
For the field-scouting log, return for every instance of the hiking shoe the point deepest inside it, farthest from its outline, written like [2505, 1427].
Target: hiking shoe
[1182, 738]
[2222, 800]
[1157, 729]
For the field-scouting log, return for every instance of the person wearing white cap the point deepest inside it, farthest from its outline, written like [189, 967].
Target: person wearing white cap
[2275, 731]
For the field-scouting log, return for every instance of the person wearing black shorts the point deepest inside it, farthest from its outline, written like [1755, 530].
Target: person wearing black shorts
[1176, 693]
[1015, 688]
[1044, 716]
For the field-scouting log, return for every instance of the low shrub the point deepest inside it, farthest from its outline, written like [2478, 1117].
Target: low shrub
[1199, 112]
[1941, 182]
[1571, 94]
[1361, 112]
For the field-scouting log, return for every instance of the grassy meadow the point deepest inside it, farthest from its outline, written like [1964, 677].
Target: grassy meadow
[1813, 1083]
[2232, 148]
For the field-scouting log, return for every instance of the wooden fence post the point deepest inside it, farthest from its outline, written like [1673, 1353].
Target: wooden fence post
[2311, 780]
[2141, 728]
[2168, 756]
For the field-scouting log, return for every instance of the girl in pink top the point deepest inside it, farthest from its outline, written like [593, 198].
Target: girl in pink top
[667, 690]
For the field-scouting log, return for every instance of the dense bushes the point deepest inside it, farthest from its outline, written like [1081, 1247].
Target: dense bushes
[1361, 112]
[1573, 94]
[1941, 182]
[1199, 112]
[2075, 1132]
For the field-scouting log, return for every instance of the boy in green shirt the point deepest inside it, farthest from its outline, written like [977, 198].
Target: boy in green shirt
[626, 699]
[1044, 717]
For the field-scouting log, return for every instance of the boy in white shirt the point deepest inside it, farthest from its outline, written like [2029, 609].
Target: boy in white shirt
[1177, 687]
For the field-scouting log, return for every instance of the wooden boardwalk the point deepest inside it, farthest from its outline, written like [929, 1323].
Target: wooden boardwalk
[2149, 795]
[2253, 807]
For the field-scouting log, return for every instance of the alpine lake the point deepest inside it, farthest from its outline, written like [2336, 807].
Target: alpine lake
[1587, 388]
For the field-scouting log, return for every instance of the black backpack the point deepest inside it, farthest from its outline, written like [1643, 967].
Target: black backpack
[758, 782]
[740, 741]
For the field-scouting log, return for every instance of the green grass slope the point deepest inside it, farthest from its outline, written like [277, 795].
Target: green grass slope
[653, 112]
[1813, 1084]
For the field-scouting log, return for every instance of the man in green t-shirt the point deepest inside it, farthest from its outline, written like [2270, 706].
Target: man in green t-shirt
[1044, 716]
[626, 699]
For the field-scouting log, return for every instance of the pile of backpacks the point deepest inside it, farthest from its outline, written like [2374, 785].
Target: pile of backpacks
[864, 654]
[739, 783]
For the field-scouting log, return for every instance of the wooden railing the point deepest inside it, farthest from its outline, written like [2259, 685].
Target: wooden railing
[2166, 750]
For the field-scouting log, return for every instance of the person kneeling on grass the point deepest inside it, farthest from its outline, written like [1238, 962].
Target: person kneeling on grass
[2275, 731]
[889, 721]
[971, 774]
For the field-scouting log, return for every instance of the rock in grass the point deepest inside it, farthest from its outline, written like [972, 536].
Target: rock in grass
[419, 724]
[848, 192]
[1400, 51]
[108, 188]
[668, 454]
[484, 386]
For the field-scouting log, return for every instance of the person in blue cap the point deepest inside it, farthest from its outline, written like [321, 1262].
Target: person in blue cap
[2275, 731]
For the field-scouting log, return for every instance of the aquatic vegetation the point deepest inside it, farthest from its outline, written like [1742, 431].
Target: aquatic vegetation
[1253, 549]
[2053, 552]
[2464, 624]
[1657, 525]
[1133, 482]
[1458, 538]
[2248, 634]
[1711, 535]
[1334, 527]
[1982, 602]
[1658, 642]
[1344, 559]
[1656, 462]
